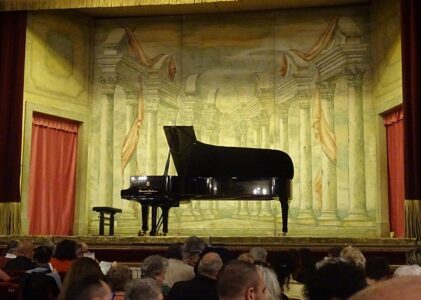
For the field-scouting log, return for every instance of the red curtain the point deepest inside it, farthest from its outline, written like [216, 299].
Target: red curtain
[52, 175]
[395, 169]
[12, 61]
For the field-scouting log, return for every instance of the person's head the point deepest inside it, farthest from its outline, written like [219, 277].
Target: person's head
[89, 288]
[336, 280]
[412, 270]
[403, 288]
[273, 289]
[66, 250]
[81, 268]
[247, 257]
[240, 280]
[50, 244]
[118, 276]
[154, 266]
[334, 251]
[42, 254]
[413, 257]
[26, 248]
[210, 265]
[354, 256]
[81, 249]
[12, 247]
[259, 254]
[174, 251]
[376, 269]
[145, 288]
[304, 265]
[192, 248]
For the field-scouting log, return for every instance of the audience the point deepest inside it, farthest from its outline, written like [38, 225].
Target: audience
[40, 282]
[246, 257]
[353, 256]
[117, 277]
[402, 288]
[203, 285]
[239, 280]
[259, 255]
[155, 266]
[413, 257]
[412, 270]
[142, 289]
[177, 270]
[273, 289]
[89, 288]
[10, 252]
[80, 268]
[376, 269]
[335, 280]
[191, 250]
[65, 254]
[23, 260]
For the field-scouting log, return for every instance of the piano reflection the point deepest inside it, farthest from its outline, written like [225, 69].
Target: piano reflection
[211, 172]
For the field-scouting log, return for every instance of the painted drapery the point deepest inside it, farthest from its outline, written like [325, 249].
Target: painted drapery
[52, 175]
[394, 135]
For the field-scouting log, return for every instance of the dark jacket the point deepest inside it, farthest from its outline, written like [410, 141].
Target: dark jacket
[199, 288]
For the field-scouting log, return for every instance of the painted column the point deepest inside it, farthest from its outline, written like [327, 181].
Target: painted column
[328, 213]
[305, 215]
[266, 206]
[151, 109]
[131, 116]
[105, 180]
[257, 205]
[283, 127]
[357, 194]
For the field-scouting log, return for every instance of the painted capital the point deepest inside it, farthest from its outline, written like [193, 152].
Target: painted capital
[108, 83]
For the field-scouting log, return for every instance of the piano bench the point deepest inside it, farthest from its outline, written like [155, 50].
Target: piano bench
[106, 213]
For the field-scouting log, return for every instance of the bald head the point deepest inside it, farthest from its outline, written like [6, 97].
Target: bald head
[26, 248]
[402, 288]
[210, 265]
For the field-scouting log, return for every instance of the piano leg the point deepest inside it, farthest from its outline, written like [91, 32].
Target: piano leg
[145, 213]
[284, 209]
[165, 211]
[154, 224]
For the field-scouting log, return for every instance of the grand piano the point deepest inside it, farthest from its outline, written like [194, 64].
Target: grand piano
[211, 172]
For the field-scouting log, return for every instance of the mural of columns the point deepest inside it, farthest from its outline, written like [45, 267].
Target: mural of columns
[105, 180]
[151, 109]
[131, 116]
[305, 215]
[328, 213]
[283, 127]
[357, 194]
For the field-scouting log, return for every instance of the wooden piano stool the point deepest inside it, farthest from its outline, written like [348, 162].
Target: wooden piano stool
[106, 213]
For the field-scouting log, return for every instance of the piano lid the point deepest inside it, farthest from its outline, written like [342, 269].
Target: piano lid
[194, 158]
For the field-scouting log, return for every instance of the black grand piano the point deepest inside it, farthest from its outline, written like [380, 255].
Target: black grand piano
[212, 173]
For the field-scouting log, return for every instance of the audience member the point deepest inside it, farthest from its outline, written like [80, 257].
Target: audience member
[117, 277]
[155, 266]
[239, 280]
[80, 268]
[47, 242]
[40, 283]
[402, 288]
[82, 249]
[354, 256]
[177, 270]
[10, 252]
[283, 266]
[412, 270]
[89, 288]
[203, 285]
[246, 257]
[376, 269]
[273, 289]
[259, 255]
[337, 280]
[23, 260]
[191, 250]
[65, 254]
[142, 289]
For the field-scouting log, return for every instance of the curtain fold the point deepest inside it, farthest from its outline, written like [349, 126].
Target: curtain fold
[411, 90]
[395, 168]
[52, 175]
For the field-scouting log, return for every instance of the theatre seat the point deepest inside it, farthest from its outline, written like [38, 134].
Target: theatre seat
[9, 291]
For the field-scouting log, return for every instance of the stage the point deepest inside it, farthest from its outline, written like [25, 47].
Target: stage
[132, 249]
